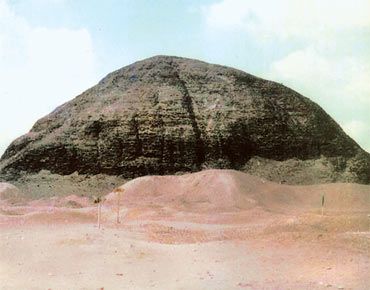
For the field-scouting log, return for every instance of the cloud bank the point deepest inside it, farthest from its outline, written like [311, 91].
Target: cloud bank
[38, 65]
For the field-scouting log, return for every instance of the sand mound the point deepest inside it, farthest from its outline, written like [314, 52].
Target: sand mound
[229, 190]
[9, 192]
[216, 189]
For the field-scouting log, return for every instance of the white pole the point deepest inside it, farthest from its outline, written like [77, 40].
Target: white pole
[99, 213]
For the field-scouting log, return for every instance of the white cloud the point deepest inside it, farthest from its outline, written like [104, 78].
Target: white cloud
[358, 130]
[355, 128]
[347, 77]
[358, 85]
[285, 18]
[304, 65]
[40, 68]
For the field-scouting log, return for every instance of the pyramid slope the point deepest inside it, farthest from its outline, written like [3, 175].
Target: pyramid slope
[167, 114]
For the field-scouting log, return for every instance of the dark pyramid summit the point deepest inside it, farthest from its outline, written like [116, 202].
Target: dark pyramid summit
[168, 114]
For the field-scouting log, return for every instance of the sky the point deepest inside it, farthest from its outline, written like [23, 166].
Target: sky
[53, 50]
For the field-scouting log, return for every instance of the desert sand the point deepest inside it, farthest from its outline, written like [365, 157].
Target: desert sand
[215, 229]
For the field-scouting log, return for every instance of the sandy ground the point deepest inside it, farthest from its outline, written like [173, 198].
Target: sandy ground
[181, 236]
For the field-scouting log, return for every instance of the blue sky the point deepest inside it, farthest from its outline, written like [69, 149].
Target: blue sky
[52, 50]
